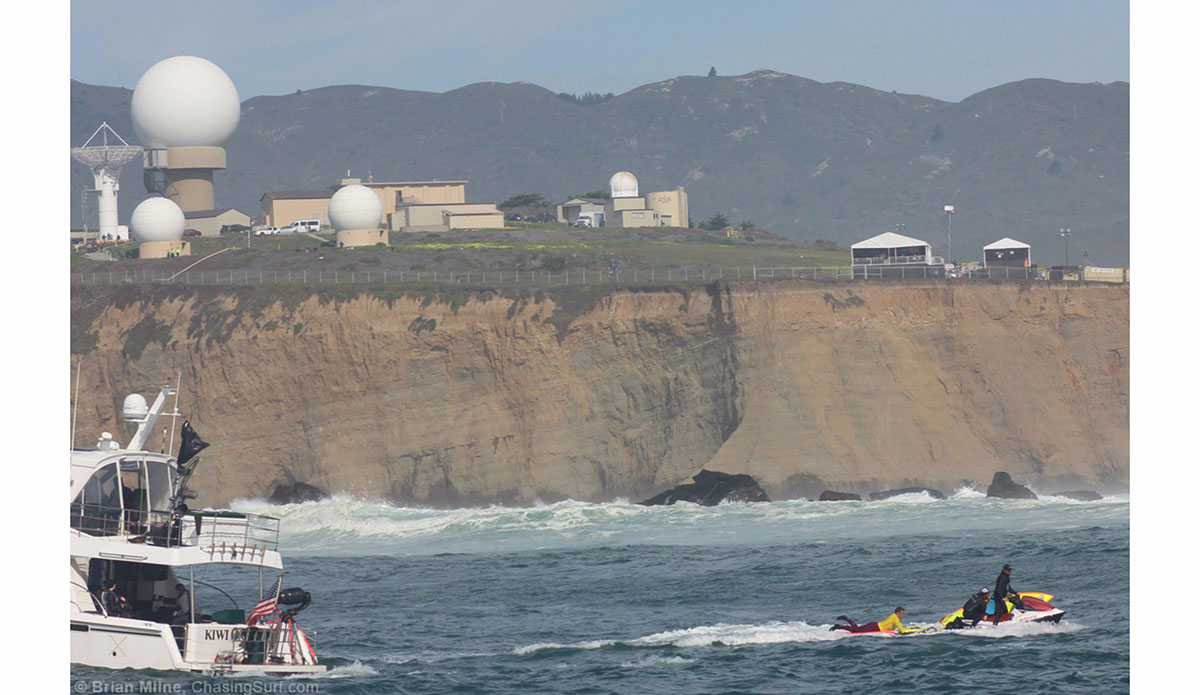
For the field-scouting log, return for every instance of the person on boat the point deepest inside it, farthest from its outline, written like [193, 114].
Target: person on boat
[1003, 589]
[110, 599]
[183, 607]
[892, 622]
[976, 607]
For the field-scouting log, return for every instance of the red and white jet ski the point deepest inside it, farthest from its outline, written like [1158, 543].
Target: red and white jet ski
[1037, 610]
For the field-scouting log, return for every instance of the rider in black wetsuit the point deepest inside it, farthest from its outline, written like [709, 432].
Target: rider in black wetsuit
[1003, 589]
[976, 606]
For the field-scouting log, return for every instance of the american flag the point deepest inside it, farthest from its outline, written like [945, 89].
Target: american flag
[266, 606]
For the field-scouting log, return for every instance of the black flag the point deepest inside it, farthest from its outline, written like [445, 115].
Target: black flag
[190, 444]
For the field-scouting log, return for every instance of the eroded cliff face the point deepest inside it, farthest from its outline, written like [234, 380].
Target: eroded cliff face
[803, 387]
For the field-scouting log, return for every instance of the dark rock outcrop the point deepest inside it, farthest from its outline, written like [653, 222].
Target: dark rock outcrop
[1080, 495]
[297, 492]
[710, 488]
[935, 494]
[1003, 486]
[832, 496]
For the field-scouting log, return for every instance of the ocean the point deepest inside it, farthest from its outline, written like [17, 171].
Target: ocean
[587, 598]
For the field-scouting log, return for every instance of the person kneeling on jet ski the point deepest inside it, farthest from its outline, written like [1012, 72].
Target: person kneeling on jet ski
[976, 607]
[892, 622]
[1003, 589]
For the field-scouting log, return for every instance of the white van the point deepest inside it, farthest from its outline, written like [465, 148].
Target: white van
[310, 226]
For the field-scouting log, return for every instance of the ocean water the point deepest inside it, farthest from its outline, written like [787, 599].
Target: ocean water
[618, 598]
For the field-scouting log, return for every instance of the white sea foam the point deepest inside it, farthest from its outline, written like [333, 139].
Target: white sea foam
[736, 635]
[651, 661]
[343, 524]
[354, 670]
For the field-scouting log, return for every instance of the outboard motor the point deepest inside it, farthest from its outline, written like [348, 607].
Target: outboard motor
[295, 597]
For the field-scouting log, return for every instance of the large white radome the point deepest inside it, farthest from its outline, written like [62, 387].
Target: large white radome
[157, 219]
[185, 101]
[623, 185]
[355, 207]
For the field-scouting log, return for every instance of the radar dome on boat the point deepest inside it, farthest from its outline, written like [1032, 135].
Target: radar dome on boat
[135, 407]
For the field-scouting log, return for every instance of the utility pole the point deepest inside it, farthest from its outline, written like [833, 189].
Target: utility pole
[949, 234]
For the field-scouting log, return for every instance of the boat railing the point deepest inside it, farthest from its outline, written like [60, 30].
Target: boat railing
[172, 530]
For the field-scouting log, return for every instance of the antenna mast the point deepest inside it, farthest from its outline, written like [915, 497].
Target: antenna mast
[106, 161]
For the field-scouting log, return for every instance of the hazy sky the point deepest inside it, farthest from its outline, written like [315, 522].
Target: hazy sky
[947, 49]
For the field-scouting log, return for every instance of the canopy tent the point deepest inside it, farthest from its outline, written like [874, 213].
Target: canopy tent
[891, 248]
[1006, 253]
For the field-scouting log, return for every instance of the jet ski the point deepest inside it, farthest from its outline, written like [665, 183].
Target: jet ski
[1037, 610]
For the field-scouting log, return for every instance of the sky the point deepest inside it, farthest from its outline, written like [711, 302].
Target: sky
[946, 49]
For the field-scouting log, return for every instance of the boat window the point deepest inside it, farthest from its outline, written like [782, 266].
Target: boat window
[133, 485]
[102, 489]
[162, 479]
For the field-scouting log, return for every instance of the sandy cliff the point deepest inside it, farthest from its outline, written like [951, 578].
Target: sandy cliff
[802, 386]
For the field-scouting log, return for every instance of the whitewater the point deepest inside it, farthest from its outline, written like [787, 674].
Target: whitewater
[576, 597]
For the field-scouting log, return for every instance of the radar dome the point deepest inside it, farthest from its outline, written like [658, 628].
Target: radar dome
[623, 185]
[156, 219]
[355, 207]
[185, 101]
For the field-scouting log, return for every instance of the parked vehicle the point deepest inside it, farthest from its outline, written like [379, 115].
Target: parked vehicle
[545, 217]
[307, 226]
[234, 228]
[514, 217]
[266, 231]
[192, 232]
[583, 221]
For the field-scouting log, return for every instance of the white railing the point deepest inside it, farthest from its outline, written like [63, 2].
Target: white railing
[499, 278]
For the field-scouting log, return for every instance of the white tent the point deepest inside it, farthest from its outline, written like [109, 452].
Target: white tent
[1006, 253]
[892, 243]
[1006, 243]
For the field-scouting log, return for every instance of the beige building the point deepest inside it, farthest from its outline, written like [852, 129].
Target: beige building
[568, 212]
[671, 206]
[281, 208]
[209, 222]
[407, 206]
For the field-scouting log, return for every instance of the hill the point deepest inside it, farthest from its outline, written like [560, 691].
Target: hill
[803, 159]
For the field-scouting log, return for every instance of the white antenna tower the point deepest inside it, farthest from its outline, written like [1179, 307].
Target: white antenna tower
[105, 162]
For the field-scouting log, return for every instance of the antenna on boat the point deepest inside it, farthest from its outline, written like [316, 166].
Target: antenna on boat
[75, 401]
[178, 382]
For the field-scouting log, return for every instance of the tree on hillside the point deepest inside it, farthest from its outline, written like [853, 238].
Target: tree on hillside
[603, 193]
[716, 222]
[588, 98]
[525, 200]
[712, 72]
[746, 224]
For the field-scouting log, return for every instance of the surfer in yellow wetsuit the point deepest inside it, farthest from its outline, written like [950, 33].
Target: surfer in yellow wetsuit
[890, 623]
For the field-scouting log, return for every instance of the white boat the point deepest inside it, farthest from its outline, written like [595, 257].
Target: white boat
[130, 527]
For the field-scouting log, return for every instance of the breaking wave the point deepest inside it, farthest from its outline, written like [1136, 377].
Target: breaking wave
[346, 525]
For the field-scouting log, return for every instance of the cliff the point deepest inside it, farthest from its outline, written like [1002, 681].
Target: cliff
[491, 399]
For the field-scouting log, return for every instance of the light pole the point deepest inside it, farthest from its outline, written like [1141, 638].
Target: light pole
[949, 234]
[1066, 235]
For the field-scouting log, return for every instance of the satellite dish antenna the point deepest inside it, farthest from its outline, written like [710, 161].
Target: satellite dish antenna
[105, 161]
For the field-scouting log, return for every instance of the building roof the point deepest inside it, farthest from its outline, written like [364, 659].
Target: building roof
[297, 195]
[888, 240]
[216, 212]
[593, 201]
[384, 184]
[1006, 243]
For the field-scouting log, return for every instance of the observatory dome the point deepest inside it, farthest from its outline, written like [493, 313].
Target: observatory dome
[623, 185]
[156, 219]
[355, 207]
[185, 101]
